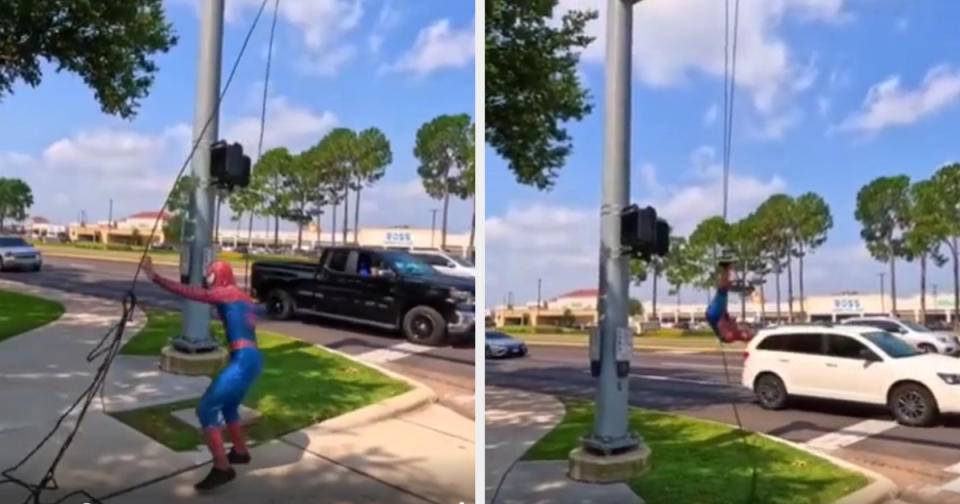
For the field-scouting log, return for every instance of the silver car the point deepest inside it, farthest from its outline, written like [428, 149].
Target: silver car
[15, 253]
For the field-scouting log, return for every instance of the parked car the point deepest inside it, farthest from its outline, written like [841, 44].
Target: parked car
[851, 363]
[498, 344]
[16, 253]
[376, 287]
[446, 263]
[922, 338]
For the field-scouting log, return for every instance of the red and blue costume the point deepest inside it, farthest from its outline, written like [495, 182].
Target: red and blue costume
[224, 395]
[723, 325]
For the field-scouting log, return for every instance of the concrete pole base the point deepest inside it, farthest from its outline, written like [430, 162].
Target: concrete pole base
[193, 364]
[589, 468]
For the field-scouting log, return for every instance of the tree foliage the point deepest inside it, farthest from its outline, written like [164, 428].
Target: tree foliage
[442, 148]
[107, 43]
[883, 209]
[15, 199]
[532, 85]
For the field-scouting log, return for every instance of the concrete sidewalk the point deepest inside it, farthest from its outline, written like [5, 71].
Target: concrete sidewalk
[515, 421]
[422, 456]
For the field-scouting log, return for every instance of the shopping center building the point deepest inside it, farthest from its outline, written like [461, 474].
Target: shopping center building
[582, 305]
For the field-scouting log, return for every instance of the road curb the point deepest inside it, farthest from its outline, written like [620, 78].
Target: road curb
[880, 490]
[420, 396]
[465, 408]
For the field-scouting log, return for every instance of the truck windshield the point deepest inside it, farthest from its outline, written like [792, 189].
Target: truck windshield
[12, 242]
[407, 264]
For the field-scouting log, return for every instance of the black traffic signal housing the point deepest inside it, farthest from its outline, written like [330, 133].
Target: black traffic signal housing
[644, 234]
[229, 167]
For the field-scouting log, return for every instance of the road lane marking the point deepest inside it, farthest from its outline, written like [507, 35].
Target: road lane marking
[850, 434]
[396, 352]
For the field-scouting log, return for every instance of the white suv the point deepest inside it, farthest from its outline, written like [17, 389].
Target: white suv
[445, 263]
[851, 363]
[922, 338]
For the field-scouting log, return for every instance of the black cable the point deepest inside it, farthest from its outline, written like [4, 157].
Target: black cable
[263, 121]
[114, 335]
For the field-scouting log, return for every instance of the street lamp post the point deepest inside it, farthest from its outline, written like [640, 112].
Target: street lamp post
[883, 300]
[611, 452]
[433, 226]
[537, 318]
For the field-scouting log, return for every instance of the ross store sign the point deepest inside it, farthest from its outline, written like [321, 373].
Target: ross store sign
[847, 306]
[398, 238]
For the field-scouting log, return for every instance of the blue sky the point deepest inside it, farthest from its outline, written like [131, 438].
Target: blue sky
[352, 63]
[830, 94]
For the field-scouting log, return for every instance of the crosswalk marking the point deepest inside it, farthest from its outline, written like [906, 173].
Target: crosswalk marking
[850, 434]
[396, 352]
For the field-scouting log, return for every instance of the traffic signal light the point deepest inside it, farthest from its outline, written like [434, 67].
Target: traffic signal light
[642, 233]
[229, 167]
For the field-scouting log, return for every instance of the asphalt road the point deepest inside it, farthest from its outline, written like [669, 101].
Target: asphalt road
[696, 385]
[449, 370]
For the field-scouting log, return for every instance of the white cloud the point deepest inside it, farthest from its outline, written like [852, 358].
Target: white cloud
[710, 115]
[318, 22]
[404, 202]
[329, 63]
[287, 124]
[887, 104]
[136, 169]
[561, 243]
[676, 40]
[437, 46]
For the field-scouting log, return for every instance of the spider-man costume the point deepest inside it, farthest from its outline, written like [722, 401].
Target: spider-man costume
[719, 319]
[224, 395]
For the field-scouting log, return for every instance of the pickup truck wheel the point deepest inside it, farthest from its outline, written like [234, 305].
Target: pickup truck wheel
[425, 326]
[280, 304]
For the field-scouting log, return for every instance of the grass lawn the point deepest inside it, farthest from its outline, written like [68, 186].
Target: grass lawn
[300, 385]
[21, 313]
[700, 462]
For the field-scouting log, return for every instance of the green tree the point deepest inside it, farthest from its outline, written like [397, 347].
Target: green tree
[375, 155]
[440, 148]
[466, 186]
[813, 221]
[708, 241]
[267, 180]
[340, 150]
[942, 211]
[636, 307]
[108, 43]
[680, 267]
[532, 85]
[15, 199]
[883, 209]
[924, 236]
[746, 246]
[567, 319]
[773, 218]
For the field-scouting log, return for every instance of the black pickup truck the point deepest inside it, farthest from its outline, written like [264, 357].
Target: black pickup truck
[377, 287]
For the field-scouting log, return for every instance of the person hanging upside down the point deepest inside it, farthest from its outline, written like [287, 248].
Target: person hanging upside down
[723, 325]
[238, 313]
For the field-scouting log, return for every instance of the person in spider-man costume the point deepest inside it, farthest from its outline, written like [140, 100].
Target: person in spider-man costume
[723, 325]
[238, 314]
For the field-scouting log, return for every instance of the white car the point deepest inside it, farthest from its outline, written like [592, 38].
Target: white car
[17, 253]
[445, 263]
[923, 339]
[851, 363]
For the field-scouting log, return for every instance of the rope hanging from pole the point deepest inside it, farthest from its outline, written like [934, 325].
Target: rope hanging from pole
[112, 341]
[729, 86]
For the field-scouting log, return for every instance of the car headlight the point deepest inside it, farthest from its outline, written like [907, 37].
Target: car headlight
[950, 378]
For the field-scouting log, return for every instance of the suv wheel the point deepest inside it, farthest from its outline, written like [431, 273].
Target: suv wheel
[926, 348]
[913, 405]
[280, 304]
[770, 391]
[424, 325]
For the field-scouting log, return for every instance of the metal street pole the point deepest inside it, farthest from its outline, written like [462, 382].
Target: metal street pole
[110, 215]
[196, 316]
[539, 285]
[610, 429]
[883, 301]
[433, 227]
